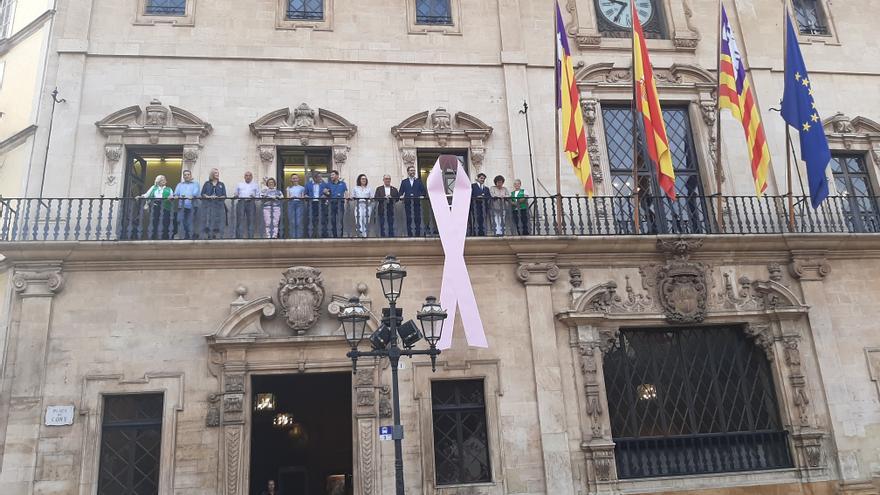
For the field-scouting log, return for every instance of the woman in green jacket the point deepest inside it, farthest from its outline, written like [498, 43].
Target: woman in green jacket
[520, 208]
[160, 207]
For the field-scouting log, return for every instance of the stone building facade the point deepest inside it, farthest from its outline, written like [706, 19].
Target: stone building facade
[373, 87]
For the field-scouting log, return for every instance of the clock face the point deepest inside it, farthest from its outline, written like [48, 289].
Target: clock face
[617, 12]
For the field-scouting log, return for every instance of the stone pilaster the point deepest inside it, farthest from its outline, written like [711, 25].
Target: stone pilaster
[538, 273]
[25, 372]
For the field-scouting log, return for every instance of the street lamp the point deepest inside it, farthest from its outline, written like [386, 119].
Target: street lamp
[383, 341]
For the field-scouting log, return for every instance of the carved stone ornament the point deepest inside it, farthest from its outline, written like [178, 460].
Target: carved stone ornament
[590, 369]
[42, 281]
[385, 402]
[212, 417]
[157, 115]
[844, 132]
[303, 126]
[575, 277]
[813, 267]
[441, 129]
[675, 75]
[590, 107]
[113, 152]
[530, 273]
[300, 295]
[682, 287]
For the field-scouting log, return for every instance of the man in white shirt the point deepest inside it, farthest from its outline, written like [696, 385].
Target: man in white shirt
[245, 206]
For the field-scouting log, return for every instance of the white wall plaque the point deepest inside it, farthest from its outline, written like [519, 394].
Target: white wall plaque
[59, 415]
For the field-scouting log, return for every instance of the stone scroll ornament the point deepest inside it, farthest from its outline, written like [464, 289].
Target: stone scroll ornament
[456, 289]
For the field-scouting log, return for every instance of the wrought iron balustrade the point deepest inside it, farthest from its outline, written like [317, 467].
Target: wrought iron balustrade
[91, 219]
[702, 454]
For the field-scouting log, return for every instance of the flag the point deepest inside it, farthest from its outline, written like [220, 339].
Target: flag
[737, 96]
[799, 111]
[574, 137]
[648, 104]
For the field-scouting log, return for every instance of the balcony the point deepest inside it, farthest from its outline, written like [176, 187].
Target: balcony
[133, 219]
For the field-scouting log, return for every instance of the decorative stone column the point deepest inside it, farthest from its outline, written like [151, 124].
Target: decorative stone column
[365, 434]
[538, 273]
[25, 368]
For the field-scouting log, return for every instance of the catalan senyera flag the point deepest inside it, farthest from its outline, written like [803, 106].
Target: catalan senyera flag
[574, 137]
[648, 104]
[736, 95]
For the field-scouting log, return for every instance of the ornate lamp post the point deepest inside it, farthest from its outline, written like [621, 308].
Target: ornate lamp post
[384, 343]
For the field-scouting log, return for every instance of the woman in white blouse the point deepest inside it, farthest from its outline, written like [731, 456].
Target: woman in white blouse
[363, 196]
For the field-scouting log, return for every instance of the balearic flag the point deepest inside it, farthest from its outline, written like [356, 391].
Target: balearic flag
[737, 96]
[574, 137]
[648, 104]
[799, 111]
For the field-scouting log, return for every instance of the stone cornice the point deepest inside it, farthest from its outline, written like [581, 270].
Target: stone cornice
[25, 32]
[584, 252]
[17, 138]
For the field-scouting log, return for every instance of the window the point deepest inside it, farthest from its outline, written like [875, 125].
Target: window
[810, 17]
[305, 9]
[614, 19]
[145, 164]
[433, 12]
[165, 7]
[687, 214]
[426, 158]
[692, 401]
[302, 161]
[461, 445]
[7, 16]
[131, 437]
[860, 206]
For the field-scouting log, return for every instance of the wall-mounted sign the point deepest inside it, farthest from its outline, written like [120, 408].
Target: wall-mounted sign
[59, 415]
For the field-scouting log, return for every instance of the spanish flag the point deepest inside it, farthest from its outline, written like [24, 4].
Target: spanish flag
[736, 95]
[574, 137]
[648, 104]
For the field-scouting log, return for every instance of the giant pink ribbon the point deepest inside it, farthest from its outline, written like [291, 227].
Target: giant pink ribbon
[455, 289]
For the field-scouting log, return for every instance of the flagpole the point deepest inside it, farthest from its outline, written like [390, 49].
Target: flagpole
[558, 86]
[719, 201]
[787, 127]
[635, 140]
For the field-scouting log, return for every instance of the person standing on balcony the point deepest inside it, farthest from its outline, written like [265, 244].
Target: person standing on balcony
[364, 205]
[480, 196]
[412, 191]
[214, 192]
[386, 195]
[186, 206]
[316, 189]
[520, 208]
[271, 207]
[160, 208]
[338, 192]
[499, 203]
[245, 207]
[295, 194]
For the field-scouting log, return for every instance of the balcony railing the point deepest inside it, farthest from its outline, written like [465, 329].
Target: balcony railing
[92, 219]
[701, 454]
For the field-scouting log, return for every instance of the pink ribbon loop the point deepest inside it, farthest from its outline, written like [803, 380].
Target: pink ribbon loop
[456, 290]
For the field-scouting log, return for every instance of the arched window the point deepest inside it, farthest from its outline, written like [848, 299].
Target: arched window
[692, 400]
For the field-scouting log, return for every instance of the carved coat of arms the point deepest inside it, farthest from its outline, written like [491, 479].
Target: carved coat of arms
[300, 294]
[682, 285]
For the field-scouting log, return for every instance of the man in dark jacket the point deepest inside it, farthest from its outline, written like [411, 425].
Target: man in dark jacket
[412, 191]
[386, 195]
[480, 196]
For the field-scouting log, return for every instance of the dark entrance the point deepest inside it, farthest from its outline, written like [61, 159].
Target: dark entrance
[305, 443]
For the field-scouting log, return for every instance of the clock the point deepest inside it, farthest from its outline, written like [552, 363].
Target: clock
[617, 12]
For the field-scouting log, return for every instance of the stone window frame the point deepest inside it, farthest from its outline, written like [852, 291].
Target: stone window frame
[302, 126]
[95, 387]
[489, 371]
[770, 314]
[7, 18]
[440, 129]
[583, 26]
[453, 29]
[157, 125]
[857, 135]
[681, 84]
[188, 19]
[807, 39]
[282, 22]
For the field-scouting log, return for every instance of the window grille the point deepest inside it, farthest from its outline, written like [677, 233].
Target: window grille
[305, 10]
[860, 208]
[810, 18]
[688, 213]
[433, 12]
[461, 448]
[692, 401]
[7, 15]
[165, 7]
[131, 436]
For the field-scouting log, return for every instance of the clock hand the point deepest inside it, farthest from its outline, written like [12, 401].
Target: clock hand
[620, 12]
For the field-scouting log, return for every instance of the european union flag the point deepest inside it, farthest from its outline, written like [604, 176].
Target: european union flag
[799, 111]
